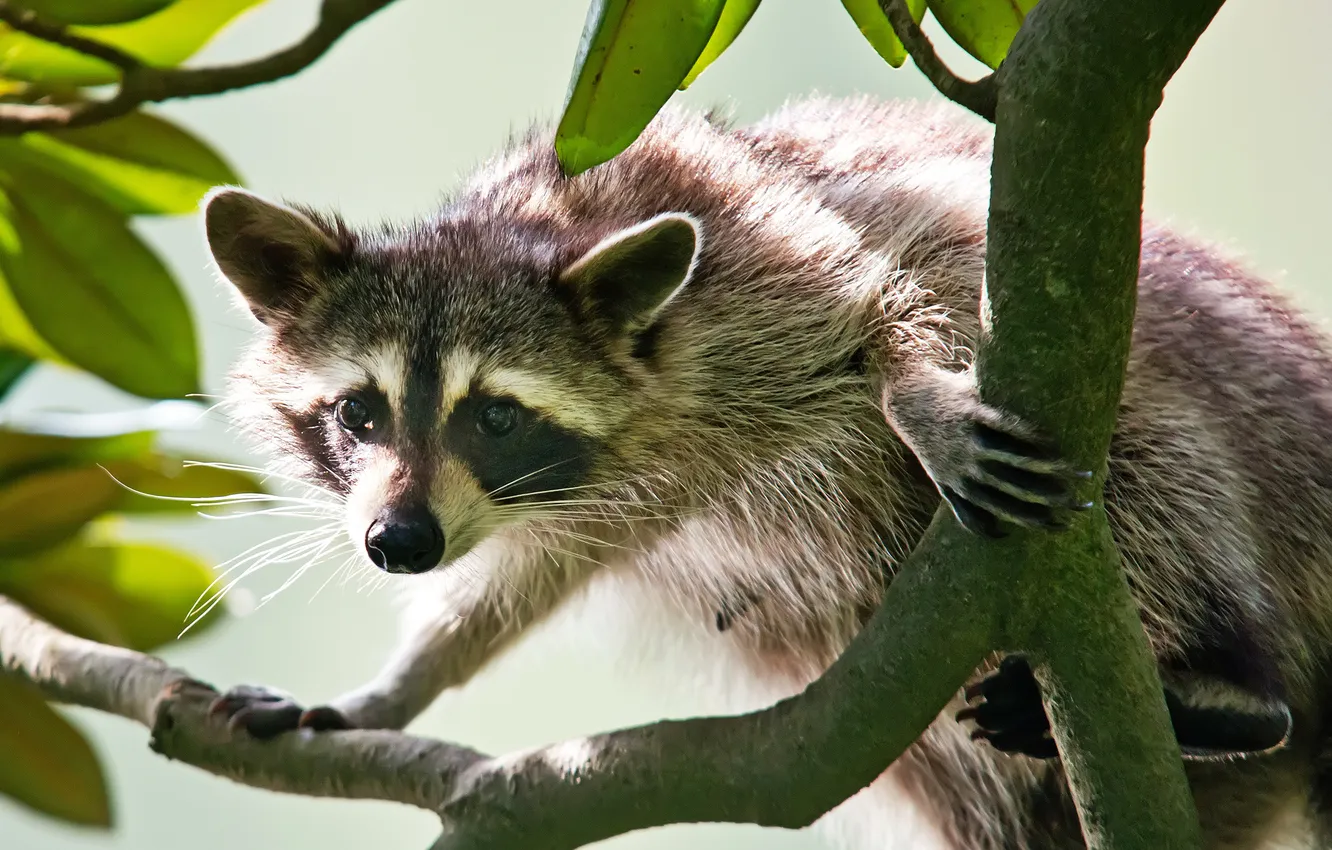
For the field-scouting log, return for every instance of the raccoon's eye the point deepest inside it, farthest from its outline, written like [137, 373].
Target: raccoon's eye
[353, 415]
[498, 418]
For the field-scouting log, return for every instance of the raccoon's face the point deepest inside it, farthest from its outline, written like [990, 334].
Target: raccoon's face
[448, 382]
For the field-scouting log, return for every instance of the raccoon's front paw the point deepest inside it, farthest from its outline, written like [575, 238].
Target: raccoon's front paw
[999, 470]
[1008, 713]
[265, 713]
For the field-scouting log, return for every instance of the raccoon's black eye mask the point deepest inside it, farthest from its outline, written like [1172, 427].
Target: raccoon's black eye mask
[517, 453]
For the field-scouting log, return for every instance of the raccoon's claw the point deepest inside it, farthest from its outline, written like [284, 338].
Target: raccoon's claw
[1013, 478]
[264, 713]
[1007, 711]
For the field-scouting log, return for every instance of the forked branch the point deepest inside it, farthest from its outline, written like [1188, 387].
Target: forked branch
[140, 84]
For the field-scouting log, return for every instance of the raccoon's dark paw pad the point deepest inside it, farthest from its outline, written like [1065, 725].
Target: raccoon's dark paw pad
[323, 719]
[1007, 711]
[1011, 475]
[259, 711]
[264, 713]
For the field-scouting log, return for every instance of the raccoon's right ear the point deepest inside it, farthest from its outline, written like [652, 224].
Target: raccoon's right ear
[626, 278]
[273, 255]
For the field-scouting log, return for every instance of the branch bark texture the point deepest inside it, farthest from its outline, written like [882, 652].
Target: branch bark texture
[1074, 102]
[140, 84]
[1076, 97]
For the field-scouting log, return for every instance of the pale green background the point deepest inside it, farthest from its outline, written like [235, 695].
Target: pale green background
[384, 124]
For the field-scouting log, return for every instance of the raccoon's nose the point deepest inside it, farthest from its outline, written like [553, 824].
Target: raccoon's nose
[405, 541]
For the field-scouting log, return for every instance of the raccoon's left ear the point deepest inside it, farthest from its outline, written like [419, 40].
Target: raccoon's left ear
[626, 278]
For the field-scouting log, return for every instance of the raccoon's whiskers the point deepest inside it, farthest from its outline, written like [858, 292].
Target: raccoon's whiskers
[270, 473]
[581, 537]
[345, 545]
[285, 547]
[220, 501]
[299, 511]
[315, 557]
[522, 478]
[549, 549]
[596, 485]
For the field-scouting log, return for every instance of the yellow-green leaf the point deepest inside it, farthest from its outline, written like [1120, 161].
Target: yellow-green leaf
[166, 38]
[873, 24]
[139, 164]
[983, 28]
[632, 57]
[130, 595]
[95, 11]
[735, 14]
[46, 508]
[45, 763]
[94, 291]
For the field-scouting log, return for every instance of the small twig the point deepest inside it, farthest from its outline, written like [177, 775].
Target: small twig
[27, 21]
[140, 84]
[979, 95]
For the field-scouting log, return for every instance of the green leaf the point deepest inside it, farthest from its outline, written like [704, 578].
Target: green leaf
[94, 291]
[735, 14]
[870, 19]
[139, 164]
[983, 28]
[130, 595]
[16, 332]
[13, 366]
[46, 508]
[633, 56]
[164, 39]
[95, 11]
[45, 763]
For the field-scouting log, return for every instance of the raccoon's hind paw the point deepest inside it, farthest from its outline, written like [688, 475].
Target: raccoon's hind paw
[1007, 711]
[265, 713]
[1003, 472]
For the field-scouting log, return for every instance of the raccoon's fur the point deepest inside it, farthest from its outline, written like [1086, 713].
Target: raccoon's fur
[733, 364]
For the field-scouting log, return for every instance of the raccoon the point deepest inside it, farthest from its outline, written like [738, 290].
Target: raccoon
[732, 367]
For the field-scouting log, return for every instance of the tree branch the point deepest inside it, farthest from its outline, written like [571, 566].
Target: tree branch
[978, 96]
[140, 84]
[1076, 96]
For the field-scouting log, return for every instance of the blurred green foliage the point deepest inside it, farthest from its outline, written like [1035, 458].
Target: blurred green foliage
[79, 288]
